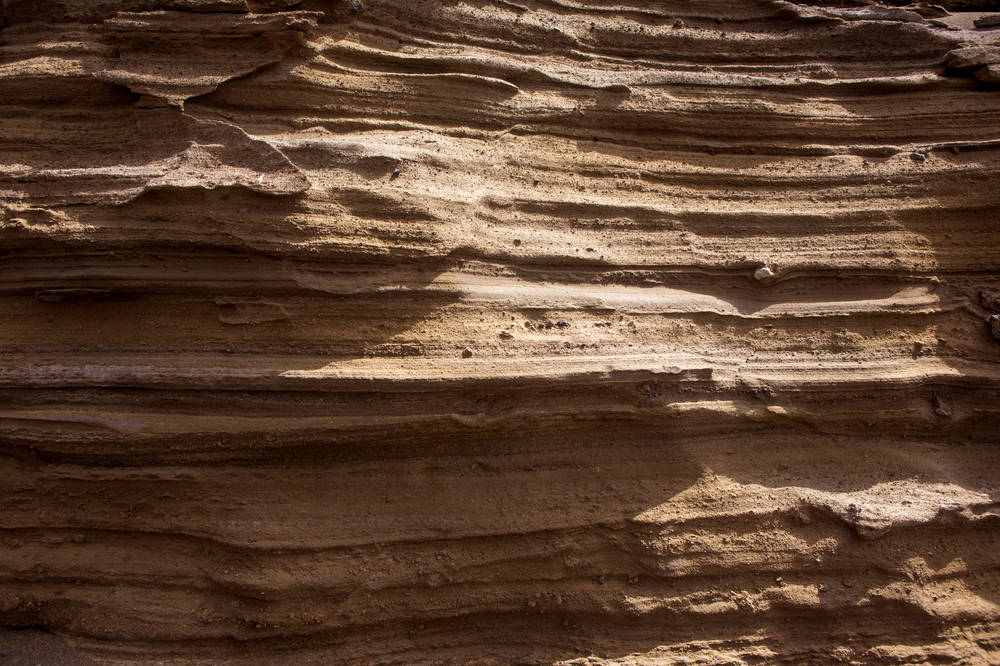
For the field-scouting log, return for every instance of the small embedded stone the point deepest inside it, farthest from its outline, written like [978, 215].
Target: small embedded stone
[941, 407]
[466, 353]
[763, 274]
[918, 157]
[990, 300]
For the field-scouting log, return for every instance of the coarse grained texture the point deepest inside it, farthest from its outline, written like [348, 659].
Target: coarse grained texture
[440, 331]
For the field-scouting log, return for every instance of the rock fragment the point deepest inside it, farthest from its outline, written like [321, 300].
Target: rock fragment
[990, 300]
[989, 74]
[763, 274]
[982, 62]
[871, 13]
[928, 10]
[941, 407]
[971, 57]
[987, 21]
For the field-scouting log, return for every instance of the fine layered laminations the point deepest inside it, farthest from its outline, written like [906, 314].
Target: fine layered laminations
[534, 331]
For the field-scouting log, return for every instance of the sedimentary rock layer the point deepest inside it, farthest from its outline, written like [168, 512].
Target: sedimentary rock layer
[436, 331]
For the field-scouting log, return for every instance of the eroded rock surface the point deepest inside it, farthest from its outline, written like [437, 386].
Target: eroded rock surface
[459, 331]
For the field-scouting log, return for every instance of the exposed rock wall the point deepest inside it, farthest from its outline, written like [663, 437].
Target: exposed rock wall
[439, 330]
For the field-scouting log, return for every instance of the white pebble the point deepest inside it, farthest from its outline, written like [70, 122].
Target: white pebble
[763, 274]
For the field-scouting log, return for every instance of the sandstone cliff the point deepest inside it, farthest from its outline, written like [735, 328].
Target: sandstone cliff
[384, 331]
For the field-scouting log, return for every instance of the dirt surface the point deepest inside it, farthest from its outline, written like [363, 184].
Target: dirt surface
[33, 647]
[454, 331]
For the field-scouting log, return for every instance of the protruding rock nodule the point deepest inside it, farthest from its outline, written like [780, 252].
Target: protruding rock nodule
[763, 274]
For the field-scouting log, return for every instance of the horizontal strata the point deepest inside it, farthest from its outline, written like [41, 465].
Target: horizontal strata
[429, 332]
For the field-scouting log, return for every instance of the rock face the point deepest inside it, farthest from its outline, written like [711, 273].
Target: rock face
[396, 332]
